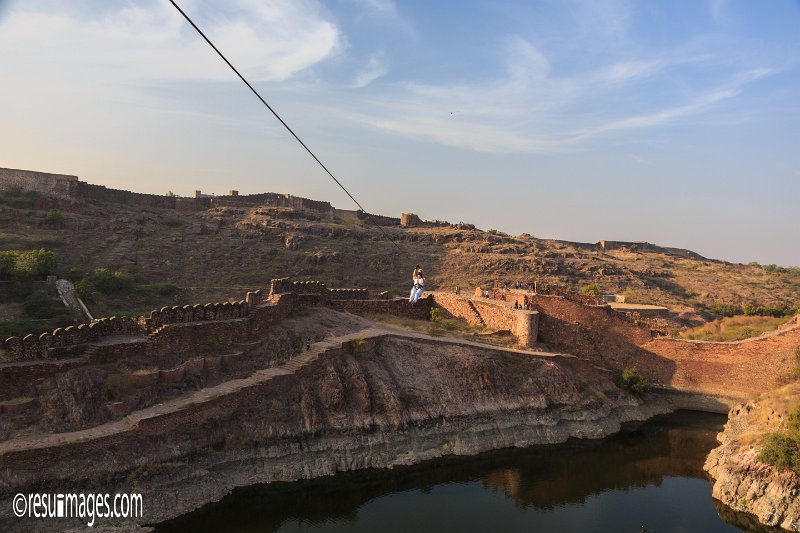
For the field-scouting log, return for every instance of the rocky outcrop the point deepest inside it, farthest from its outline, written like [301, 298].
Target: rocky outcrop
[741, 481]
[375, 404]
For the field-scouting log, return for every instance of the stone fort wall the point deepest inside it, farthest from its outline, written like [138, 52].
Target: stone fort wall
[51, 184]
[66, 186]
[727, 369]
[522, 323]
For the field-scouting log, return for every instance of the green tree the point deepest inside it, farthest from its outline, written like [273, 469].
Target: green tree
[54, 218]
[591, 289]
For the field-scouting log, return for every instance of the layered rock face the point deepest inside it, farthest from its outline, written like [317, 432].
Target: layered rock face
[741, 481]
[376, 404]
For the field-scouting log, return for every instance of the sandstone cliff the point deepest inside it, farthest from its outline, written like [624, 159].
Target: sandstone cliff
[742, 482]
[380, 403]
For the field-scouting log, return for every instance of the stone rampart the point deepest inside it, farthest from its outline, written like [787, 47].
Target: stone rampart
[271, 199]
[60, 342]
[51, 184]
[396, 307]
[731, 369]
[380, 220]
[62, 185]
[522, 323]
[318, 288]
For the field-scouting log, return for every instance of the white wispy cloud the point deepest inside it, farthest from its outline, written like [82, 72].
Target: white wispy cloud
[386, 7]
[151, 40]
[533, 110]
[374, 69]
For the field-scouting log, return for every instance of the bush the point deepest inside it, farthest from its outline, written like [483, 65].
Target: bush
[591, 290]
[436, 314]
[74, 274]
[491, 232]
[724, 309]
[780, 451]
[165, 289]
[54, 218]
[19, 198]
[358, 344]
[108, 282]
[85, 290]
[777, 310]
[33, 264]
[630, 380]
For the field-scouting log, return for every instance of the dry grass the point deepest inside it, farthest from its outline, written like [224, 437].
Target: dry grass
[446, 328]
[734, 328]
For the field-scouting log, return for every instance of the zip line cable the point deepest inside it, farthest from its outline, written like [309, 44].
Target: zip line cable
[285, 125]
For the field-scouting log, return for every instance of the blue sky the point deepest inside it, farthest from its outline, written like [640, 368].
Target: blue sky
[674, 122]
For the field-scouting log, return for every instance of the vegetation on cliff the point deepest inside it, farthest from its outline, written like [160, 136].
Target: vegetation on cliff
[781, 449]
[630, 380]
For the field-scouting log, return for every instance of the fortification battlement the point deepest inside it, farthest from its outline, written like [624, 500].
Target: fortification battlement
[67, 186]
[286, 285]
[71, 340]
[410, 220]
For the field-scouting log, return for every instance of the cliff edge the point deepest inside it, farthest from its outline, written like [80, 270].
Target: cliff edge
[744, 483]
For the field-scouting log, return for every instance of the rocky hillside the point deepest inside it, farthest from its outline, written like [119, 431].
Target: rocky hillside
[741, 480]
[213, 253]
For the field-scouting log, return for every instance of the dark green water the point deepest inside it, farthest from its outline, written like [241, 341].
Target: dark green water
[650, 476]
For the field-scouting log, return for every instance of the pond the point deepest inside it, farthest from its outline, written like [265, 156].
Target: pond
[649, 477]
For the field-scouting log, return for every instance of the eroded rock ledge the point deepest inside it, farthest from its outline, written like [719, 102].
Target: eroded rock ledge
[393, 401]
[741, 481]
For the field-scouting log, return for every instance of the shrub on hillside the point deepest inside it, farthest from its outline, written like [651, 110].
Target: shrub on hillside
[74, 274]
[111, 282]
[436, 314]
[54, 218]
[724, 309]
[776, 310]
[85, 290]
[21, 199]
[782, 450]
[165, 289]
[31, 264]
[591, 289]
[630, 380]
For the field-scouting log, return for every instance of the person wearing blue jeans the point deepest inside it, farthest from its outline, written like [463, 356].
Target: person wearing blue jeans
[419, 287]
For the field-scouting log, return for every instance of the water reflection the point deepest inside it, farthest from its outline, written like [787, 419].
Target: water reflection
[648, 475]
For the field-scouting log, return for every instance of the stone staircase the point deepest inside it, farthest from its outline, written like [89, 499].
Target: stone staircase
[476, 313]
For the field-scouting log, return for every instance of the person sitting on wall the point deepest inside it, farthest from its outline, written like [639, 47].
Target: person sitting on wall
[419, 287]
[414, 276]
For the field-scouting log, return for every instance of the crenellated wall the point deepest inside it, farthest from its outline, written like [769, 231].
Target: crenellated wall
[70, 186]
[396, 307]
[63, 342]
[286, 285]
